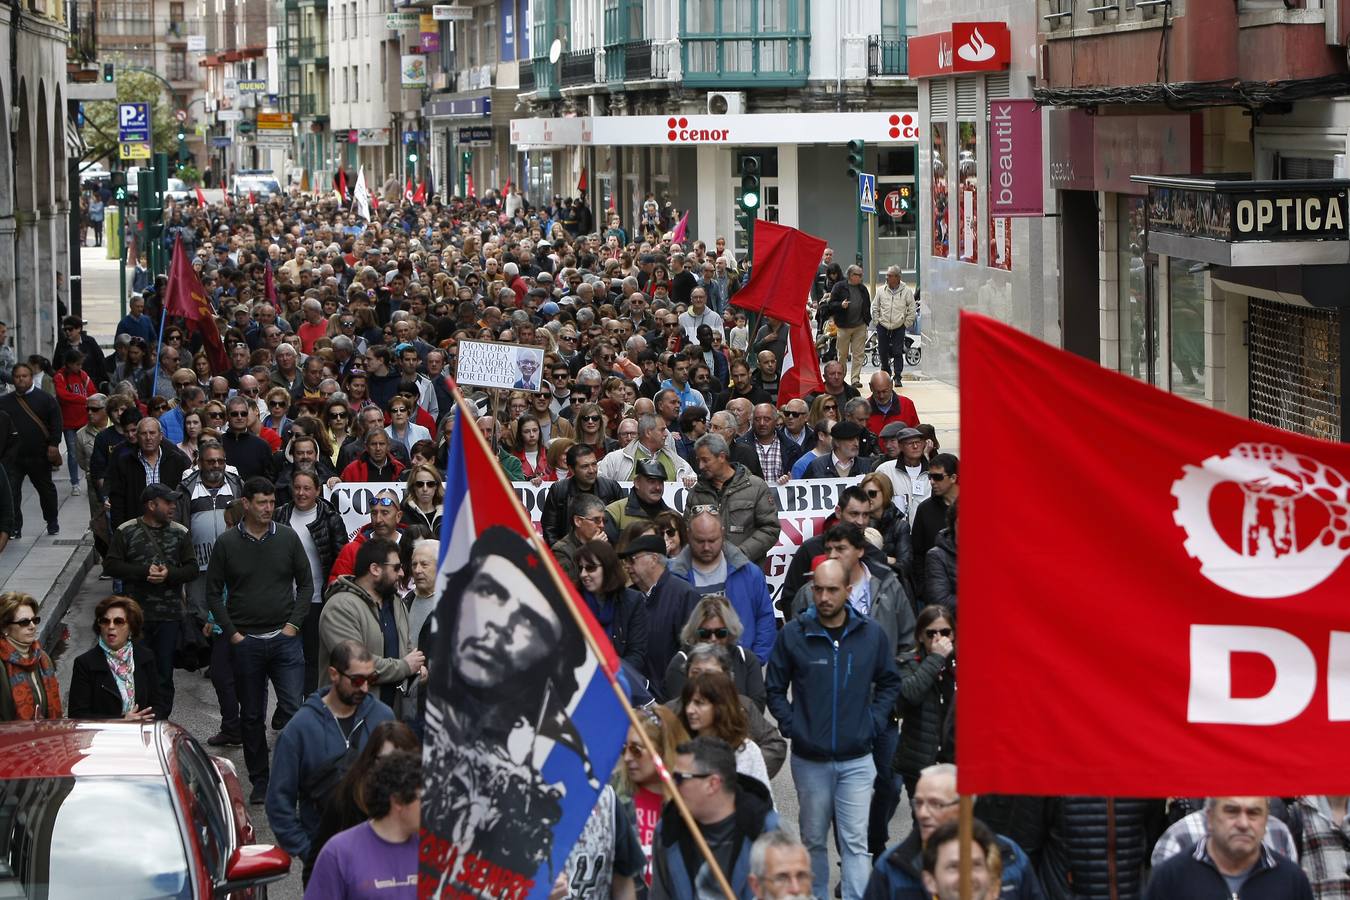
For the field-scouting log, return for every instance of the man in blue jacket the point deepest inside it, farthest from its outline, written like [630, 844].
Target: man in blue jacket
[318, 745]
[714, 565]
[840, 667]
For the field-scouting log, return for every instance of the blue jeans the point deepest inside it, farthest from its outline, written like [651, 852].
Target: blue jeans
[162, 637]
[256, 660]
[885, 791]
[72, 463]
[891, 345]
[842, 791]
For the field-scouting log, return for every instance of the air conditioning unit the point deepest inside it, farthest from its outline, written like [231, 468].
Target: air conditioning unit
[726, 103]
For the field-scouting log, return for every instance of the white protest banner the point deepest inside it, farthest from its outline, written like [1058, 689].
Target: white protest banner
[509, 366]
[803, 507]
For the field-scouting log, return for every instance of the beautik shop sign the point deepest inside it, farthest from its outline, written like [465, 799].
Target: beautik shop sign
[1016, 170]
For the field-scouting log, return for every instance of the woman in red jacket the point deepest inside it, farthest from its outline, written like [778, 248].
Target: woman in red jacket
[74, 387]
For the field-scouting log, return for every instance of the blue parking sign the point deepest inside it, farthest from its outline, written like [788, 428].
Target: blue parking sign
[133, 123]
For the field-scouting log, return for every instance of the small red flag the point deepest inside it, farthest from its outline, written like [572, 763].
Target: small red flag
[1169, 619]
[472, 192]
[270, 286]
[583, 182]
[252, 198]
[420, 195]
[185, 297]
[800, 372]
[681, 229]
[342, 184]
[201, 196]
[408, 190]
[785, 262]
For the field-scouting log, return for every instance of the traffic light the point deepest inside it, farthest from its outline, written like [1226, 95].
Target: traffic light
[108, 75]
[412, 160]
[118, 182]
[749, 196]
[182, 146]
[856, 155]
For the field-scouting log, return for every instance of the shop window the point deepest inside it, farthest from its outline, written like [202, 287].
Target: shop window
[941, 211]
[1186, 327]
[968, 189]
[1294, 366]
[1135, 318]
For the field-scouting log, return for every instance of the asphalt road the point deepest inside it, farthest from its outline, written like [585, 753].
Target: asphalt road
[195, 709]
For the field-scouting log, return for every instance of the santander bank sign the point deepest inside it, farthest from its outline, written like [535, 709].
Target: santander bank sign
[967, 47]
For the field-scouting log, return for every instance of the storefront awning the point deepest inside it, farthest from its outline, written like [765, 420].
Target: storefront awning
[1234, 221]
[740, 130]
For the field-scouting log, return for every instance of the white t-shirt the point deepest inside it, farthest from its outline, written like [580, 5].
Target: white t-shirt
[300, 522]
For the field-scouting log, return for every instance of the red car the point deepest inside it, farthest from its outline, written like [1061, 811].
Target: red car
[126, 810]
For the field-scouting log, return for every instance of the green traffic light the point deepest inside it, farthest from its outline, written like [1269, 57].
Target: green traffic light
[750, 200]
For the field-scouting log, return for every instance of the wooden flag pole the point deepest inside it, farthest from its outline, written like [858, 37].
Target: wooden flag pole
[965, 835]
[565, 590]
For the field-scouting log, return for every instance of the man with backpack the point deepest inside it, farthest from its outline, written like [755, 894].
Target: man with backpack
[319, 744]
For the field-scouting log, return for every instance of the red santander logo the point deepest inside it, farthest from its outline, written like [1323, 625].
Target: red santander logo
[679, 132]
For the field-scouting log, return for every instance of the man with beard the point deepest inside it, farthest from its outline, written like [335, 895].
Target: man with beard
[318, 744]
[499, 708]
[645, 501]
[364, 607]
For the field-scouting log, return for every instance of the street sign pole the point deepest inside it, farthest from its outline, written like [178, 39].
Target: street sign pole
[122, 255]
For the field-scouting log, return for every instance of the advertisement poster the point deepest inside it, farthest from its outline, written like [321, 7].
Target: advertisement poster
[413, 71]
[1000, 243]
[941, 218]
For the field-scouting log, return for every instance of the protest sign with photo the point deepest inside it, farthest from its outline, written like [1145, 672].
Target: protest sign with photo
[493, 365]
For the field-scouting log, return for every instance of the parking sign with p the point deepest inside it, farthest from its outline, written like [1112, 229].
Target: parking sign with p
[133, 122]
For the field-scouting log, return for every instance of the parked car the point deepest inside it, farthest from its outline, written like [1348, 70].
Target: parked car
[127, 810]
[179, 191]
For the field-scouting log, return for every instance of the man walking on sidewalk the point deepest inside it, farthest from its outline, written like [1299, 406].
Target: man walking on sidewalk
[37, 418]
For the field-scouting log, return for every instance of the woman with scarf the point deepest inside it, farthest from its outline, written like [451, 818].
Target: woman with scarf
[620, 610]
[29, 691]
[115, 679]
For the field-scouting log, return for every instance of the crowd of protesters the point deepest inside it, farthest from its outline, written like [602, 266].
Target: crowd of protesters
[206, 490]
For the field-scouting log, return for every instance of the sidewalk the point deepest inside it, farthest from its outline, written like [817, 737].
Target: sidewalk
[52, 568]
[938, 404]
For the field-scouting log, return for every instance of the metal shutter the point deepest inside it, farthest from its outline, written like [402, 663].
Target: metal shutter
[939, 102]
[1294, 365]
[966, 106]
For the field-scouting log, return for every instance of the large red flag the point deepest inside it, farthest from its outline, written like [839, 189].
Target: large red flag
[785, 262]
[801, 366]
[184, 296]
[1164, 613]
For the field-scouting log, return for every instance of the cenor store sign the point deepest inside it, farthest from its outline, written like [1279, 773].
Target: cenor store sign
[899, 126]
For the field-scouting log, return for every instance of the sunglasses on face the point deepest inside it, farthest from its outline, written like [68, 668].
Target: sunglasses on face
[793, 415]
[682, 777]
[94, 408]
[589, 567]
[281, 403]
[250, 392]
[590, 418]
[24, 623]
[634, 750]
[935, 632]
[384, 501]
[115, 620]
[936, 476]
[829, 407]
[424, 484]
[707, 633]
[359, 680]
[215, 415]
[238, 414]
[874, 493]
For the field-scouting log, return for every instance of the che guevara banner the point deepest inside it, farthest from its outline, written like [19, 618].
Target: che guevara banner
[1154, 599]
[522, 724]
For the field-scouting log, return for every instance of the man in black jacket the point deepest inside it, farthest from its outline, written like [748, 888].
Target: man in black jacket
[850, 305]
[556, 517]
[37, 418]
[149, 460]
[74, 338]
[249, 454]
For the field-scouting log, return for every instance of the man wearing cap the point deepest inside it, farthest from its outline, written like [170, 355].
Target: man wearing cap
[154, 557]
[894, 311]
[843, 461]
[669, 600]
[645, 500]
[908, 472]
[74, 338]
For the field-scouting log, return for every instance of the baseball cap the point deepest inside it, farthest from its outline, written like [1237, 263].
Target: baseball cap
[158, 492]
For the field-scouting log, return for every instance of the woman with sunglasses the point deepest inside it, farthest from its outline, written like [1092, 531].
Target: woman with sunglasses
[638, 782]
[824, 407]
[927, 694]
[591, 430]
[891, 524]
[116, 678]
[278, 403]
[620, 610]
[401, 429]
[29, 689]
[714, 621]
[533, 456]
[711, 707]
[337, 421]
[213, 418]
[423, 498]
[673, 530]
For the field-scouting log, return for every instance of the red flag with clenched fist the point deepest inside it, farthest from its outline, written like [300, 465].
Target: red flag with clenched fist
[1153, 594]
[185, 297]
